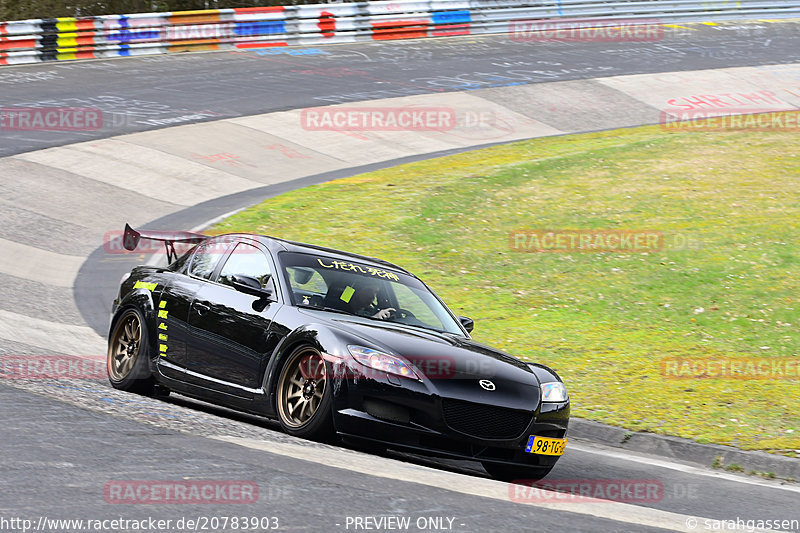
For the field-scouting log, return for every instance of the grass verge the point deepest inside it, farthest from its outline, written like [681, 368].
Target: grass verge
[604, 321]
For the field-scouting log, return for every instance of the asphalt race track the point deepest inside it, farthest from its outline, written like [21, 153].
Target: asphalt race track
[63, 441]
[152, 92]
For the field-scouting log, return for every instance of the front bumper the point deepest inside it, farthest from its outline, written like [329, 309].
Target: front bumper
[404, 414]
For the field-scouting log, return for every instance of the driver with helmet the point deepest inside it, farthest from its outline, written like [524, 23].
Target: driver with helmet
[363, 301]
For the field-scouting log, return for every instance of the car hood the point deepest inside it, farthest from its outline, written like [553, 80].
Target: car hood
[453, 366]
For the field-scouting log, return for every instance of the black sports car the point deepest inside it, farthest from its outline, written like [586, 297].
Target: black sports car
[332, 344]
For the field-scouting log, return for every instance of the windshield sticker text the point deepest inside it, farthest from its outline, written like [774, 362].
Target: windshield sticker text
[342, 265]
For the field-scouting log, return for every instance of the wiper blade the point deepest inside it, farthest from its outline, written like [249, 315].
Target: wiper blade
[423, 328]
[329, 309]
[389, 321]
[404, 324]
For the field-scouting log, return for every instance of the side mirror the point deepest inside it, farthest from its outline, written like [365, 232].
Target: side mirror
[468, 323]
[250, 285]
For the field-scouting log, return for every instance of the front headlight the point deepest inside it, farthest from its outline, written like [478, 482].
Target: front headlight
[554, 391]
[382, 361]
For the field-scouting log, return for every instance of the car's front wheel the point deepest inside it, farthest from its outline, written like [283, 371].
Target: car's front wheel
[515, 473]
[304, 395]
[128, 368]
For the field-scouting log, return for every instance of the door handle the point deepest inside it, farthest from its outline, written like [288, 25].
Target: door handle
[201, 308]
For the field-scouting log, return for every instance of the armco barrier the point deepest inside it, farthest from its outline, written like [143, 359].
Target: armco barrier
[31, 41]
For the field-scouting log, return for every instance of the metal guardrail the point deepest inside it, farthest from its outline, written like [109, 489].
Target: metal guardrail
[61, 39]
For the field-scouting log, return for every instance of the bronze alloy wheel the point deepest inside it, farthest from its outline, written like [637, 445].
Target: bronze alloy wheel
[125, 346]
[301, 388]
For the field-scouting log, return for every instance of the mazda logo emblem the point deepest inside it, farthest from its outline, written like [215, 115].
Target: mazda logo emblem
[486, 384]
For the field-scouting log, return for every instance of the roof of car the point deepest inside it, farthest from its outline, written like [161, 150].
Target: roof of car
[277, 244]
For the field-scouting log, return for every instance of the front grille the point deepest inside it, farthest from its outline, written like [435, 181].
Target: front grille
[484, 421]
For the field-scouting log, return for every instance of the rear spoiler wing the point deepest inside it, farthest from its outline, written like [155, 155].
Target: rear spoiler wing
[131, 238]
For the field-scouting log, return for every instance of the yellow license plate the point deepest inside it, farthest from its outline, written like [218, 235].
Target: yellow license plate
[545, 445]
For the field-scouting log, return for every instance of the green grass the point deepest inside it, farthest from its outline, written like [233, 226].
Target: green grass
[604, 321]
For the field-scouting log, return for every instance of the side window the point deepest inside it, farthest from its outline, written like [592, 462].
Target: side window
[307, 279]
[206, 258]
[179, 263]
[247, 260]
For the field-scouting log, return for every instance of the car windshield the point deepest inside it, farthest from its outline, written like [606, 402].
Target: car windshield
[345, 286]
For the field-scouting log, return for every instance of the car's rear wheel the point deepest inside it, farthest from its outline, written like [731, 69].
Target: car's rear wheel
[128, 367]
[304, 395]
[515, 473]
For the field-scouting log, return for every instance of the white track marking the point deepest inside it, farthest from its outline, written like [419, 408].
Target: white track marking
[144, 170]
[486, 488]
[650, 460]
[36, 264]
[61, 338]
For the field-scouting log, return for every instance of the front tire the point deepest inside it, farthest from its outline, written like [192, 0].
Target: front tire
[304, 395]
[128, 350]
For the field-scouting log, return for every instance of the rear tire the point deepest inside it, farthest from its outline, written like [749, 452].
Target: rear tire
[128, 351]
[511, 473]
[305, 396]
